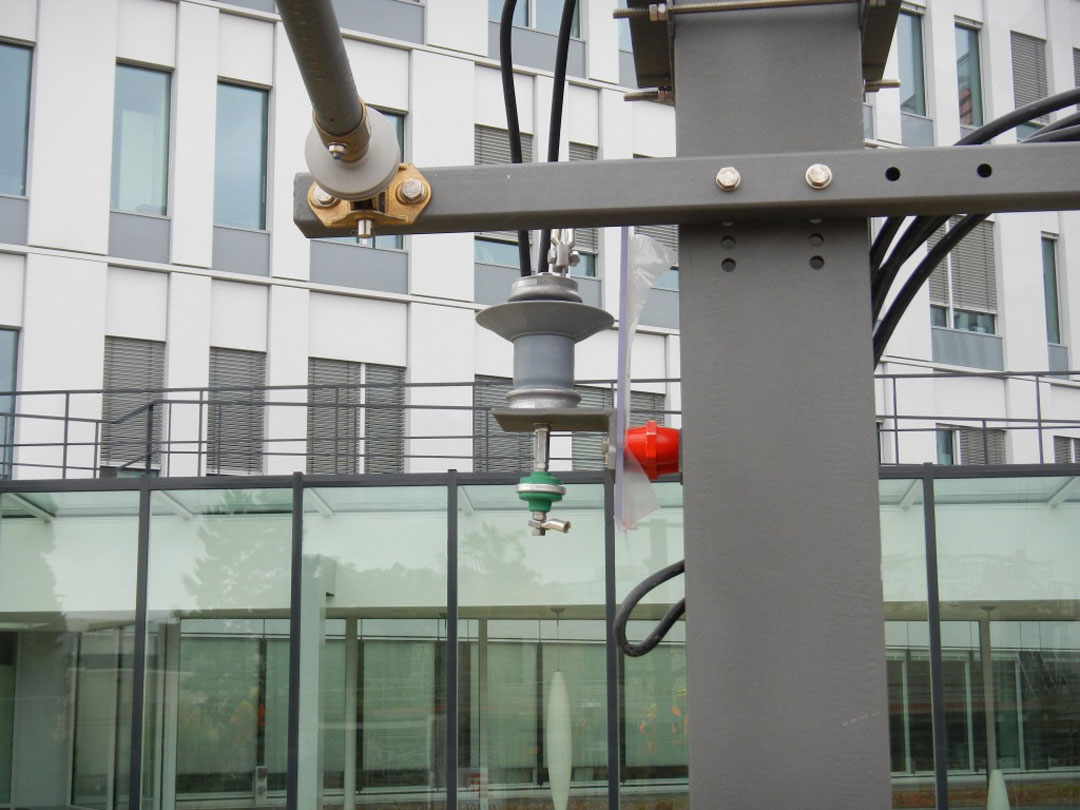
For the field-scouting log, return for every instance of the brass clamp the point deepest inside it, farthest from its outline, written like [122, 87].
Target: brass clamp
[400, 203]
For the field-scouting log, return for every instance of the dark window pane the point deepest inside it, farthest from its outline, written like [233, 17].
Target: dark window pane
[240, 157]
[14, 117]
[969, 76]
[140, 168]
[912, 82]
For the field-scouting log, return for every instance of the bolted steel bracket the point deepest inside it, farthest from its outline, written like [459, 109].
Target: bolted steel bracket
[400, 203]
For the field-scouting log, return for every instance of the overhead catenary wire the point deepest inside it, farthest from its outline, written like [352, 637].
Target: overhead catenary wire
[558, 93]
[513, 125]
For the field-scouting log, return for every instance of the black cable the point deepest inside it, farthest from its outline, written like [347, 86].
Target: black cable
[558, 92]
[1061, 123]
[884, 277]
[636, 595]
[934, 257]
[513, 125]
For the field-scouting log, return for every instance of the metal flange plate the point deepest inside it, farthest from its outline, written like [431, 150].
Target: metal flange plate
[523, 420]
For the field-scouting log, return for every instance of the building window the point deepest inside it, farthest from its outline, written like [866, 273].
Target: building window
[235, 411]
[970, 445]
[587, 447]
[355, 411]
[1029, 77]
[134, 377]
[491, 146]
[543, 15]
[14, 116]
[1066, 450]
[912, 78]
[969, 76]
[9, 356]
[393, 241]
[140, 159]
[495, 450]
[963, 288]
[586, 239]
[1050, 290]
[240, 157]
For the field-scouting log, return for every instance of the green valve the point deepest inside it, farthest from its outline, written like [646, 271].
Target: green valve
[540, 490]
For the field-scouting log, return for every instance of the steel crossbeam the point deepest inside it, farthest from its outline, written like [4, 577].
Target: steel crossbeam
[683, 190]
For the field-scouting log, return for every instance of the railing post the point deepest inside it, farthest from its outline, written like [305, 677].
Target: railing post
[67, 422]
[1038, 416]
[986, 444]
[895, 423]
[198, 436]
[337, 396]
[149, 438]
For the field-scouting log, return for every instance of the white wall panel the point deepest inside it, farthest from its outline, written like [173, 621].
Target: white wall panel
[238, 316]
[581, 115]
[137, 304]
[287, 361]
[460, 25]
[11, 289]
[246, 49]
[19, 20]
[187, 363]
[72, 33]
[195, 93]
[290, 120]
[969, 9]
[147, 32]
[442, 135]
[494, 356]
[601, 32]
[488, 99]
[1028, 16]
[654, 129]
[360, 330]
[939, 52]
[381, 73]
[1022, 318]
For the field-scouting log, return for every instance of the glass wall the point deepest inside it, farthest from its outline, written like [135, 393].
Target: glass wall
[140, 158]
[215, 716]
[532, 665]
[65, 647]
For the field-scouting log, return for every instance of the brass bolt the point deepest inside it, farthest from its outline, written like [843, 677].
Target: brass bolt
[412, 191]
[336, 149]
[323, 198]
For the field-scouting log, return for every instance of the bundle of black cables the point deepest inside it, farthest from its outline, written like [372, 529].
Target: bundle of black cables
[883, 271]
[513, 125]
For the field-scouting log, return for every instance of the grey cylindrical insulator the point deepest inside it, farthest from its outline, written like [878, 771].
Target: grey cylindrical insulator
[313, 32]
[544, 372]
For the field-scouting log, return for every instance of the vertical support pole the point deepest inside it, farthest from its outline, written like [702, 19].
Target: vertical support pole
[451, 639]
[785, 638]
[292, 768]
[67, 422]
[1038, 417]
[933, 618]
[987, 662]
[138, 678]
[610, 648]
[351, 664]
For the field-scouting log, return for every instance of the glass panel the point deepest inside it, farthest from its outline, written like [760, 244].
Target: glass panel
[907, 658]
[140, 162]
[1009, 568]
[381, 718]
[912, 82]
[653, 726]
[521, 12]
[586, 266]
[216, 708]
[240, 157]
[625, 42]
[549, 16]
[969, 76]
[9, 356]
[532, 661]
[981, 322]
[65, 650]
[490, 251]
[15, 102]
[1050, 290]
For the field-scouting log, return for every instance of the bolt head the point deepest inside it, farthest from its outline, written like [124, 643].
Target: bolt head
[336, 149]
[363, 229]
[323, 198]
[412, 191]
[728, 178]
[818, 176]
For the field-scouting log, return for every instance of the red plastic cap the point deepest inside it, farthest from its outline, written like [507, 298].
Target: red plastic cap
[656, 449]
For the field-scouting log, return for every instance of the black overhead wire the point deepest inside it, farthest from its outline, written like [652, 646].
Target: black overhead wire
[1067, 129]
[513, 126]
[663, 626]
[558, 92]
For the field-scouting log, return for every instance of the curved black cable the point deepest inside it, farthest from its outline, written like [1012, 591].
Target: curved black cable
[630, 602]
[1061, 123]
[558, 92]
[881, 278]
[513, 125]
[934, 257]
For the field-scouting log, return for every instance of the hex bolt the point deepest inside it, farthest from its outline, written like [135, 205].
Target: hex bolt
[818, 176]
[336, 149]
[323, 198]
[412, 191]
[728, 178]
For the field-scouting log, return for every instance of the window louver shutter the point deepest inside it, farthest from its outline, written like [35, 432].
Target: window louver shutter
[1063, 450]
[975, 449]
[384, 419]
[1029, 70]
[235, 417]
[492, 146]
[494, 450]
[646, 405]
[131, 364]
[586, 239]
[974, 281]
[333, 424]
[939, 279]
[587, 451]
[1076, 70]
[666, 235]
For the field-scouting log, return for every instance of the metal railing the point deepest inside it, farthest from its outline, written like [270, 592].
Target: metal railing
[433, 427]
